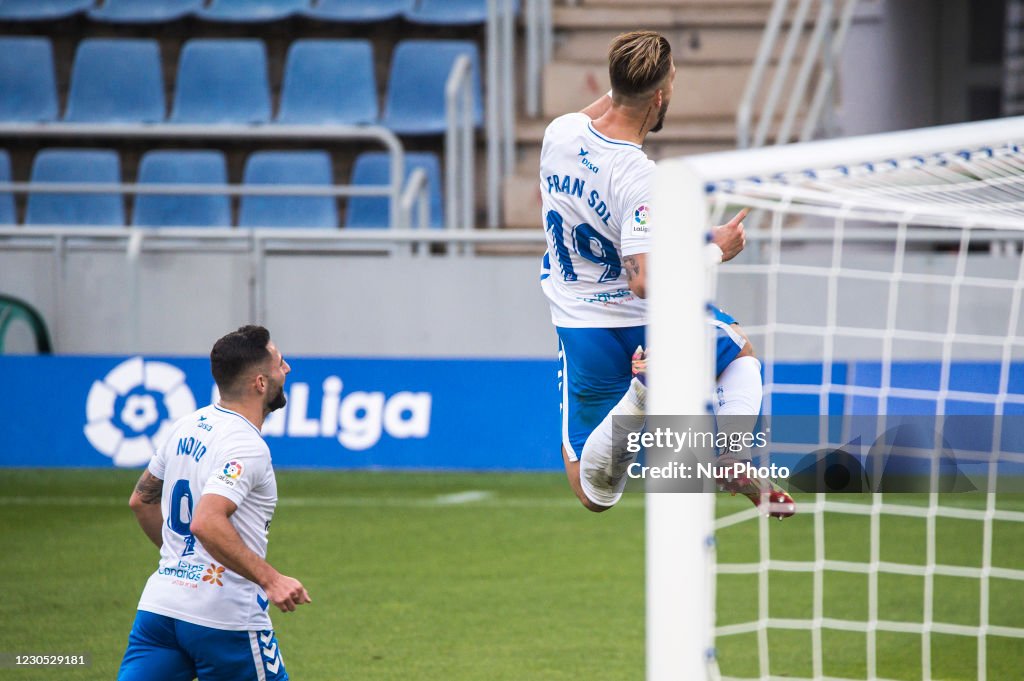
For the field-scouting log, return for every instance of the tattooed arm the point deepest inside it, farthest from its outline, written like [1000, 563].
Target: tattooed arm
[145, 502]
[636, 273]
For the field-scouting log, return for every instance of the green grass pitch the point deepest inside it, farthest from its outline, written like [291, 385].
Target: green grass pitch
[521, 583]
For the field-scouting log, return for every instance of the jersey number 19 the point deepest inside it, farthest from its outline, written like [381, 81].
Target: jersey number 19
[587, 243]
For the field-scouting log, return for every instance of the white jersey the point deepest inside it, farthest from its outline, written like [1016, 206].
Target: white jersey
[212, 451]
[596, 198]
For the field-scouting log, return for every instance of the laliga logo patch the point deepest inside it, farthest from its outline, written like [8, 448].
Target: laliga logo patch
[130, 412]
[640, 216]
[233, 469]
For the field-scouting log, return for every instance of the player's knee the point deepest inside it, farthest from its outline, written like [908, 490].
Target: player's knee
[590, 505]
[572, 470]
[577, 489]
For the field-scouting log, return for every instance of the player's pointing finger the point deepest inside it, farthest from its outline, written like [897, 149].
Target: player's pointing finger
[739, 216]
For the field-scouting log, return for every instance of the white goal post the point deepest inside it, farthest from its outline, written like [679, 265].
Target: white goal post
[892, 195]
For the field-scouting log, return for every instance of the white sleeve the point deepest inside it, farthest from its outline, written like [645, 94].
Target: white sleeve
[636, 219]
[239, 470]
[158, 464]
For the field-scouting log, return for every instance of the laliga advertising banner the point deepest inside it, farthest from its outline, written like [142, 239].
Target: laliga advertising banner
[341, 413]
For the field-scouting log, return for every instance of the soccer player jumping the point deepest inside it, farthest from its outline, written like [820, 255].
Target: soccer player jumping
[596, 185]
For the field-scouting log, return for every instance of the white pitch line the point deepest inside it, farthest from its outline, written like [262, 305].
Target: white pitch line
[466, 497]
[629, 502]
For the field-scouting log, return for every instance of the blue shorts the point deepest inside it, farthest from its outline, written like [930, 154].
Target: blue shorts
[596, 371]
[162, 648]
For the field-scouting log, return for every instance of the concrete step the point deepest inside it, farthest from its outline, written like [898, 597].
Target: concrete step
[625, 15]
[521, 206]
[701, 91]
[669, 3]
[690, 45]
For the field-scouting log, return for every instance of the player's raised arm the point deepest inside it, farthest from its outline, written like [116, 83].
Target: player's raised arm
[730, 237]
[145, 502]
[212, 526]
[599, 106]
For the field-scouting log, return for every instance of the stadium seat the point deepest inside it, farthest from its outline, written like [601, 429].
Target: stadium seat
[76, 165]
[329, 81]
[289, 167]
[222, 81]
[249, 11]
[144, 11]
[28, 86]
[182, 210]
[41, 10]
[451, 12]
[6, 198]
[416, 87]
[359, 10]
[374, 167]
[116, 81]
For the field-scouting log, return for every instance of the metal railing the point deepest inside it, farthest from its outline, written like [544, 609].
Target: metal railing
[539, 47]
[821, 53]
[167, 131]
[501, 102]
[458, 145]
[255, 244]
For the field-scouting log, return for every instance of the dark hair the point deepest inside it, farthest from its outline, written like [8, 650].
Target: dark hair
[638, 63]
[236, 353]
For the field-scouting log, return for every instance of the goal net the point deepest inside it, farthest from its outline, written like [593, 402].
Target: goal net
[882, 289]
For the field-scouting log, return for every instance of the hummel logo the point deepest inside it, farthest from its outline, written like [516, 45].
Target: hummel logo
[202, 418]
[583, 152]
[262, 602]
[271, 659]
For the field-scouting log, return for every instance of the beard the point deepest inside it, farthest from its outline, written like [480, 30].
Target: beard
[278, 401]
[660, 123]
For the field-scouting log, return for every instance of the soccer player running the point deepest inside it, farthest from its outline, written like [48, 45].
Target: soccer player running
[596, 185]
[204, 611]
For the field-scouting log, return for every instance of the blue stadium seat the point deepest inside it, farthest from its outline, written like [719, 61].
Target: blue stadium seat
[249, 11]
[41, 10]
[182, 210]
[28, 86]
[76, 165]
[116, 81]
[451, 12]
[374, 167]
[359, 10]
[289, 167]
[222, 81]
[144, 11]
[6, 198]
[329, 81]
[416, 87]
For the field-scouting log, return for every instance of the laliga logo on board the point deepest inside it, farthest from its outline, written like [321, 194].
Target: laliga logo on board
[131, 411]
[357, 420]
